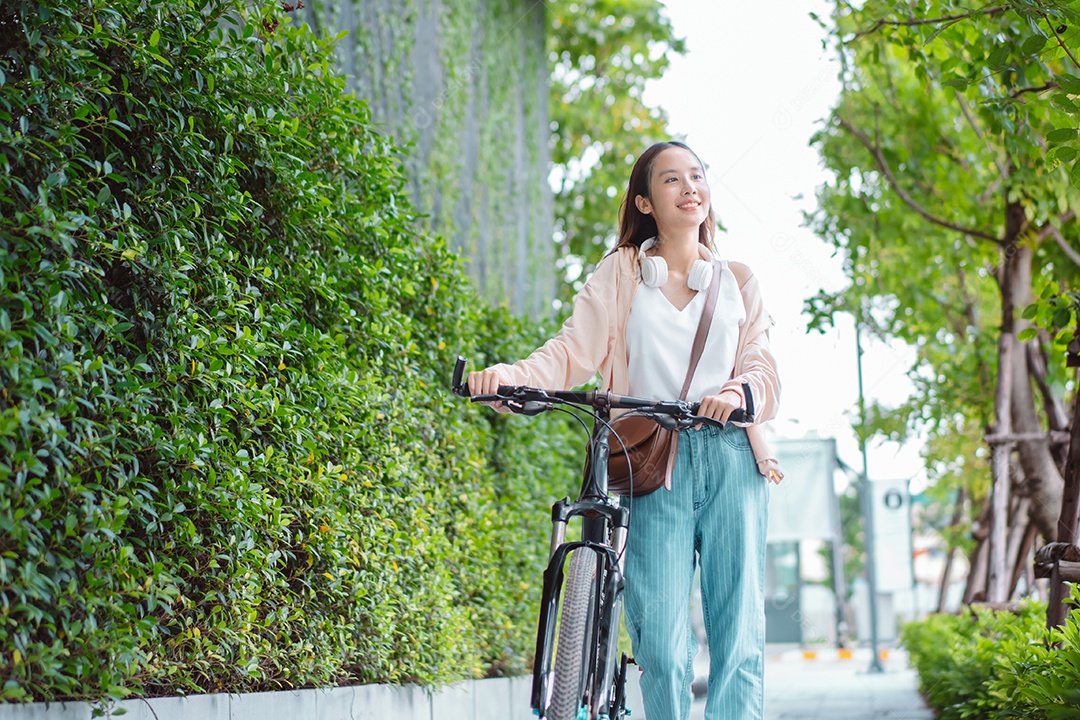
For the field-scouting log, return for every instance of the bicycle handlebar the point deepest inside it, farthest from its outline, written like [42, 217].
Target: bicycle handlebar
[533, 401]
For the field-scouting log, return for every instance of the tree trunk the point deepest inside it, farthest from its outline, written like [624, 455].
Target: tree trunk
[996, 589]
[1070, 511]
[946, 574]
[1057, 611]
[1057, 415]
[1015, 552]
[946, 578]
[976, 583]
[999, 468]
[1039, 466]
[975, 590]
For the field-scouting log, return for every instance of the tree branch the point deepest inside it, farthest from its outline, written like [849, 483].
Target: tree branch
[908, 200]
[1060, 239]
[1047, 230]
[1041, 88]
[996, 10]
[967, 113]
[1060, 40]
[1056, 415]
[979, 133]
[1050, 436]
[211, 18]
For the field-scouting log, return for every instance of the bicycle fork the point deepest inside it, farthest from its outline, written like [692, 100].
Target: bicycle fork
[604, 692]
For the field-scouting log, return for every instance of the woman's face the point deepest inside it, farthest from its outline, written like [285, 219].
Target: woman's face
[680, 197]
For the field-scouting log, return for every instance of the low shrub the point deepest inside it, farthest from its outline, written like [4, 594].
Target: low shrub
[986, 663]
[228, 458]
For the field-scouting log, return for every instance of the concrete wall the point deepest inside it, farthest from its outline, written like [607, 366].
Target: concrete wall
[464, 84]
[496, 699]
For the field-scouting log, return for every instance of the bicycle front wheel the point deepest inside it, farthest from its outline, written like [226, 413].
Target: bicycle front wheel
[573, 648]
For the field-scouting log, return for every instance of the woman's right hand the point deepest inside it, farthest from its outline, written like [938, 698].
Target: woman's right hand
[485, 382]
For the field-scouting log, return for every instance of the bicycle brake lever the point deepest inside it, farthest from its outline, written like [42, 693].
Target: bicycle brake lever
[665, 421]
[534, 407]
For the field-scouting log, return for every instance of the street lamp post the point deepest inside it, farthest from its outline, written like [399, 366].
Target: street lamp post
[867, 512]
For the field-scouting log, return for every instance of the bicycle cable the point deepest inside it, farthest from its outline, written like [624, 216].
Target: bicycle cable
[624, 450]
[555, 403]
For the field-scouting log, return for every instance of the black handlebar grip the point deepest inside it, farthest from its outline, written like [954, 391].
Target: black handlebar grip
[459, 374]
[740, 415]
[749, 402]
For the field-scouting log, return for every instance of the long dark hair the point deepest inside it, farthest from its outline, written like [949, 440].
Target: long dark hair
[635, 227]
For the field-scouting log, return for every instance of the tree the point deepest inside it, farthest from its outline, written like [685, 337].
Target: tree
[602, 54]
[952, 205]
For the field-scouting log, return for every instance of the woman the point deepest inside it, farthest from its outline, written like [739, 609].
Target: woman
[634, 322]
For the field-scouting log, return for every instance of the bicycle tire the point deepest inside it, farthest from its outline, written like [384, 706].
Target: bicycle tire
[572, 651]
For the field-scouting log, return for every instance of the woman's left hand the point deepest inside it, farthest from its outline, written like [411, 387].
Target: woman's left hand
[719, 407]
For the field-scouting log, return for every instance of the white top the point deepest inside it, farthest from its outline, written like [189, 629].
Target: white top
[660, 338]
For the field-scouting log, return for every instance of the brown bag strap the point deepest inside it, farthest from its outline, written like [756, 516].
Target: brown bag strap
[702, 328]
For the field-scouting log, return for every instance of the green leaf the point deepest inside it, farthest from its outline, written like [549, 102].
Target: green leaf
[155, 37]
[1064, 102]
[997, 58]
[1068, 83]
[1033, 44]
[1063, 153]
[1061, 135]
[956, 81]
[1027, 334]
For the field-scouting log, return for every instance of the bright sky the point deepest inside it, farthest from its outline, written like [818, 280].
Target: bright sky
[755, 84]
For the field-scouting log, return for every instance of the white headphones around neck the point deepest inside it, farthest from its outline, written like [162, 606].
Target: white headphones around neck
[654, 268]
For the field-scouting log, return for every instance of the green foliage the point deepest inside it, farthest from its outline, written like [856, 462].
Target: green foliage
[228, 460]
[995, 664]
[1056, 311]
[602, 54]
[941, 134]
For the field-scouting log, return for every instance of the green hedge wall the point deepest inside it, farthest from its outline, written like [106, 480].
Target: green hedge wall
[228, 460]
[990, 664]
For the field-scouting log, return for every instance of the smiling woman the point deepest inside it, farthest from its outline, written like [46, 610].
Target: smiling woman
[635, 322]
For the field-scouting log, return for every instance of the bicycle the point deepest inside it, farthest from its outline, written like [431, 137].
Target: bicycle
[585, 683]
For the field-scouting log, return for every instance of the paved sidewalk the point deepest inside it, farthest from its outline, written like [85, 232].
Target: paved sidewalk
[797, 688]
[826, 687]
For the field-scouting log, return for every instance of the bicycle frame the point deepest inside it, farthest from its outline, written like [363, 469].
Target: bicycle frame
[600, 513]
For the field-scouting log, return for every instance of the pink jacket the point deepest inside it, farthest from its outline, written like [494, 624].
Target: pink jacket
[594, 339]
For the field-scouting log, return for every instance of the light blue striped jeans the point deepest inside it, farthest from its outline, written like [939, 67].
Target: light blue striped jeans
[715, 514]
